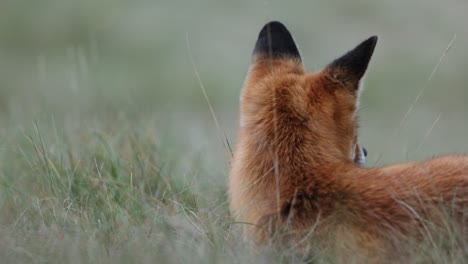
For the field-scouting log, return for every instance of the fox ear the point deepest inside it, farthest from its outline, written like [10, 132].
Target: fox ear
[352, 66]
[275, 41]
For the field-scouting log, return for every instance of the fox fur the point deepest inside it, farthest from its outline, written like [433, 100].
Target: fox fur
[296, 174]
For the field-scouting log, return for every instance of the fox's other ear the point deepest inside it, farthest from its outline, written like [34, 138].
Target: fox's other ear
[274, 42]
[352, 66]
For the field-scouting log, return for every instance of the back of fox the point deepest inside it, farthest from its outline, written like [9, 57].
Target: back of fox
[297, 176]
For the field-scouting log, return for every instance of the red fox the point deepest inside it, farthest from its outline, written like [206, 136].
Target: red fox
[296, 174]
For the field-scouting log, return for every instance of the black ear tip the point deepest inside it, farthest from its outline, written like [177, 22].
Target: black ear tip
[355, 62]
[274, 26]
[368, 45]
[374, 39]
[275, 41]
[371, 42]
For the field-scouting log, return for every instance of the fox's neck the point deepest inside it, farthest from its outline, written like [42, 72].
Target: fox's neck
[292, 156]
[288, 149]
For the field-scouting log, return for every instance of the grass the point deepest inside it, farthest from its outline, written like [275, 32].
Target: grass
[96, 198]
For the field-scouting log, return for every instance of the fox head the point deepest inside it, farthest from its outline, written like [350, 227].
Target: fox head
[290, 108]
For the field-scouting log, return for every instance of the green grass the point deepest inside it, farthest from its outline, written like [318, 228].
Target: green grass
[94, 197]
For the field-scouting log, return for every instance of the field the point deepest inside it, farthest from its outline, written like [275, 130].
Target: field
[109, 152]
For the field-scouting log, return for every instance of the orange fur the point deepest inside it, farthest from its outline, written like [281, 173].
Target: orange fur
[294, 169]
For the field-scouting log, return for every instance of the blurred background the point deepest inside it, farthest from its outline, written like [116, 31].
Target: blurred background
[113, 65]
